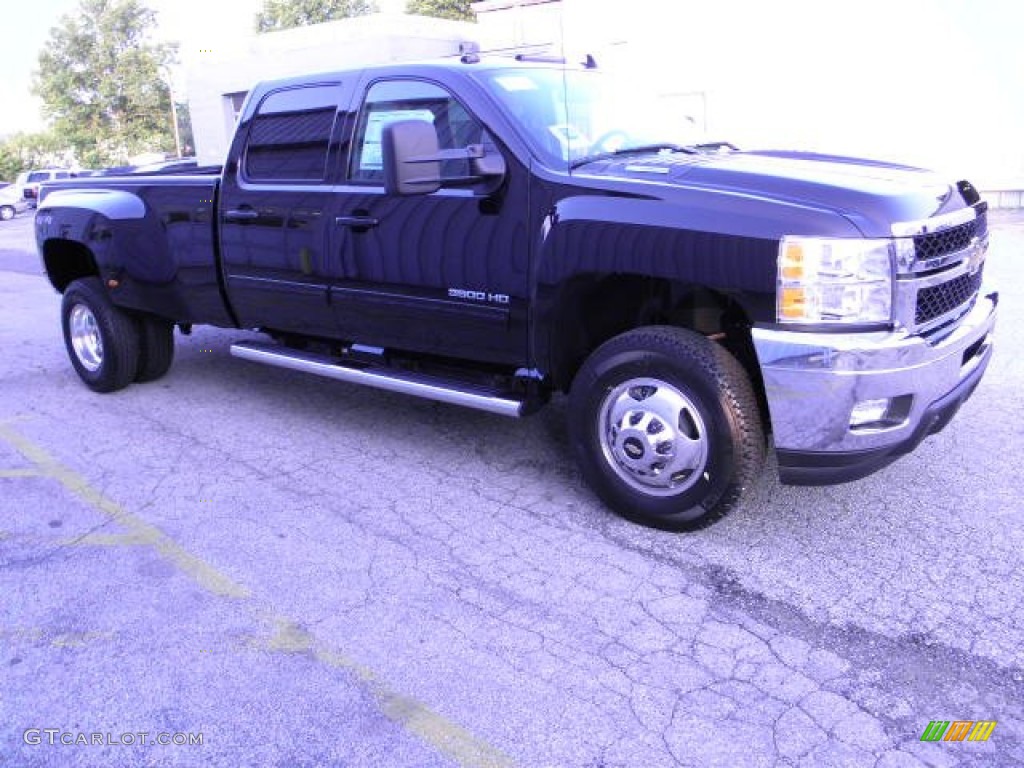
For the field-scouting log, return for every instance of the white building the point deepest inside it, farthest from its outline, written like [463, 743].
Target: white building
[219, 79]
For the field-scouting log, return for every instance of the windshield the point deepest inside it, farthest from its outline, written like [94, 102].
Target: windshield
[600, 116]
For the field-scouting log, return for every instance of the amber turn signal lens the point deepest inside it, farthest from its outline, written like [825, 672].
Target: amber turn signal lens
[792, 302]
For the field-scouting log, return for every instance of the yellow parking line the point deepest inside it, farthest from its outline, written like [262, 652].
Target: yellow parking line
[61, 640]
[27, 472]
[79, 639]
[87, 540]
[108, 540]
[447, 737]
[204, 573]
[414, 716]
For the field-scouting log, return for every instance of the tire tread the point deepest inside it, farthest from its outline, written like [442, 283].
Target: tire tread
[156, 348]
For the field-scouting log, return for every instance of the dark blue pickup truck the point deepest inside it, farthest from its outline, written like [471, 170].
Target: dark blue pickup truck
[488, 232]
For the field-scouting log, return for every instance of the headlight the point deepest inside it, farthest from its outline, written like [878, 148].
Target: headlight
[825, 280]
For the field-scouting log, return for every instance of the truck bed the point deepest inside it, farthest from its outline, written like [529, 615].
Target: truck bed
[155, 236]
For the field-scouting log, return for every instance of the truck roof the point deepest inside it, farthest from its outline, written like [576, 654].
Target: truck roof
[466, 63]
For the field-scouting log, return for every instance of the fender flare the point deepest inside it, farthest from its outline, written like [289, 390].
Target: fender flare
[114, 204]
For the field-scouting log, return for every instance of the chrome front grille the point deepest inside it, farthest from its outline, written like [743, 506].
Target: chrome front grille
[944, 298]
[938, 279]
[946, 241]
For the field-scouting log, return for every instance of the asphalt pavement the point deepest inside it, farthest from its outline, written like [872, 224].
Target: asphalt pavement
[242, 566]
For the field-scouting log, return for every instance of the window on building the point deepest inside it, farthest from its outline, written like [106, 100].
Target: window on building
[290, 135]
[392, 100]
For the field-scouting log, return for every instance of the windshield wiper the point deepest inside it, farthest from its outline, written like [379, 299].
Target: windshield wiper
[638, 150]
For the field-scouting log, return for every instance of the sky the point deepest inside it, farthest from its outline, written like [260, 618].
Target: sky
[26, 27]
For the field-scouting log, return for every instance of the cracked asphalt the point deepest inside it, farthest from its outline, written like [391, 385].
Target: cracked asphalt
[307, 573]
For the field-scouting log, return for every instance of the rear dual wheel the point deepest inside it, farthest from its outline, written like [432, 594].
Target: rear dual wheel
[110, 348]
[665, 427]
[156, 347]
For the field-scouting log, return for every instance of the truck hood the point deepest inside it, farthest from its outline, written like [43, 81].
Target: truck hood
[871, 195]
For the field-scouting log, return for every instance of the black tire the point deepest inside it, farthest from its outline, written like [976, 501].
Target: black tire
[102, 340]
[156, 347]
[7, 212]
[666, 427]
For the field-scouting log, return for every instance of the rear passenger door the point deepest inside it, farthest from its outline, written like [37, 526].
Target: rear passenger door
[442, 273]
[275, 207]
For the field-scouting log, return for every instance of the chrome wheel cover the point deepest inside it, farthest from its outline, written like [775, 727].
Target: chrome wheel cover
[85, 337]
[653, 436]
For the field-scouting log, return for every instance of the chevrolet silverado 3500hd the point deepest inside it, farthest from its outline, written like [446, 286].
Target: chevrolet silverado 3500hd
[488, 232]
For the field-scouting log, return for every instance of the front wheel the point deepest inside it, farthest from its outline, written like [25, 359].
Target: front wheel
[102, 340]
[665, 427]
[7, 212]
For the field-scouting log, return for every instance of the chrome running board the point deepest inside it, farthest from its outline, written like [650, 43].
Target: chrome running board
[403, 382]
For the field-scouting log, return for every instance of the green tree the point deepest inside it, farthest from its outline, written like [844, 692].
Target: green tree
[23, 151]
[459, 10]
[285, 14]
[103, 82]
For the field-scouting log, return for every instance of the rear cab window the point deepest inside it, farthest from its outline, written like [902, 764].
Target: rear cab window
[290, 135]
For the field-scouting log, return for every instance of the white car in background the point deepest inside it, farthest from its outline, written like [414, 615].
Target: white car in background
[28, 182]
[11, 202]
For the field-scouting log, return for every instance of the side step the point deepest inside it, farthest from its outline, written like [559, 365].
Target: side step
[404, 382]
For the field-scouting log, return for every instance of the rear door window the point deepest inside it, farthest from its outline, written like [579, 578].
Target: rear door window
[290, 135]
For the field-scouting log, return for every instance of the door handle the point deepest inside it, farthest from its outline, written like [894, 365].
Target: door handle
[241, 214]
[357, 222]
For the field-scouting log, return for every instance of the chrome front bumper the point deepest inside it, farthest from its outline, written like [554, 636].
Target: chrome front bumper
[813, 381]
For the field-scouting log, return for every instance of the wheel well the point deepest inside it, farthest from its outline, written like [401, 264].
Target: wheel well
[595, 308]
[66, 261]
